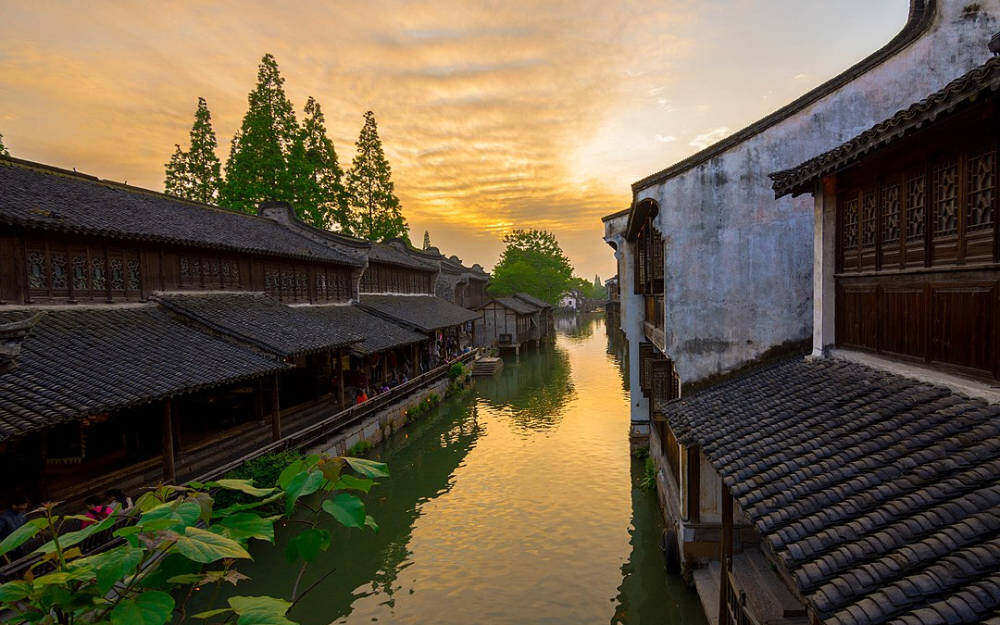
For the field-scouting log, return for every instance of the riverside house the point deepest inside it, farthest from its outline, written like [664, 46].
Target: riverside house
[856, 486]
[147, 338]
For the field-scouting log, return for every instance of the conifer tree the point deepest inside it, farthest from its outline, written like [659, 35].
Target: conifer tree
[374, 206]
[427, 240]
[3, 149]
[195, 174]
[257, 169]
[316, 175]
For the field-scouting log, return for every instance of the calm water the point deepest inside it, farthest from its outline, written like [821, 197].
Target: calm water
[516, 504]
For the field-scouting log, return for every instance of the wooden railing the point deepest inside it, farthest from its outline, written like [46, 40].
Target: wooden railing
[302, 438]
[736, 602]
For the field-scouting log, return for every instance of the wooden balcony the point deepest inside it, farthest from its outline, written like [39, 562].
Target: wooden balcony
[653, 326]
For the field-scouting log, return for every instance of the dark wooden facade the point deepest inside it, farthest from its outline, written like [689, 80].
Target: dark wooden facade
[43, 268]
[916, 248]
[386, 278]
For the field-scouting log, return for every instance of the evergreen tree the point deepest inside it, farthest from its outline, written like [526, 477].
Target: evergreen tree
[195, 174]
[533, 262]
[597, 281]
[374, 206]
[427, 240]
[3, 148]
[316, 175]
[257, 169]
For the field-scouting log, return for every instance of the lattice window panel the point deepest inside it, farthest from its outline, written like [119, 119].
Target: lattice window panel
[946, 199]
[116, 268]
[980, 184]
[212, 271]
[98, 275]
[80, 273]
[890, 213]
[850, 236]
[916, 203]
[133, 273]
[38, 269]
[869, 216]
[230, 271]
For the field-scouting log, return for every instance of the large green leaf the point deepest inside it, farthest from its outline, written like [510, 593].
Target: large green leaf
[244, 525]
[260, 610]
[111, 566]
[239, 507]
[307, 545]
[348, 509]
[368, 468]
[69, 539]
[21, 535]
[351, 482]
[243, 486]
[149, 608]
[210, 613]
[14, 591]
[301, 485]
[285, 477]
[203, 546]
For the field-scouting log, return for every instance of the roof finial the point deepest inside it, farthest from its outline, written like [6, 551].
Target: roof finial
[995, 44]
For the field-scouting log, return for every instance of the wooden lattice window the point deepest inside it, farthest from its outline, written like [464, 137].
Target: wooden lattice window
[60, 271]
[850, 236]
[916, 203]
[890, 213]
[869, 216]
[981, 180]
[229, 269]
[946, 198]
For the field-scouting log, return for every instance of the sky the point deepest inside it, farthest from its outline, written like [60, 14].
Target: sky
[494, 114]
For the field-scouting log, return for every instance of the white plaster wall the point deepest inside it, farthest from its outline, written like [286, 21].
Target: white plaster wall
[738, 263]
[632, 317]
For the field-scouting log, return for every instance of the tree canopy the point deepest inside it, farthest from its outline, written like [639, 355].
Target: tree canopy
[532, 262]
[375, 209]
[257, 169]
[195, 174]
[317, 180]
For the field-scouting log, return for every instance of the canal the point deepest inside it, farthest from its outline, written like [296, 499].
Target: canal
[518, 503]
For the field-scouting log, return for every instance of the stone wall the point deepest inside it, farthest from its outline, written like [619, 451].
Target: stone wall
[738, 264]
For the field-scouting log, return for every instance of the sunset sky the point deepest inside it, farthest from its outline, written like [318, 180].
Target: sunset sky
[494, 115]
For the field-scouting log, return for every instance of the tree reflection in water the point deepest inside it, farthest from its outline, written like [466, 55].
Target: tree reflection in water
[534, 392]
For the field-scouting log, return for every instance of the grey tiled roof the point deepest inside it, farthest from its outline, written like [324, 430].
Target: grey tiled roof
[391, 254]
[261, 321]
[879, 494]
[85, 361]
[41, 197]
[379, 334]
[423, 312]
[531, 299]
[518, 306]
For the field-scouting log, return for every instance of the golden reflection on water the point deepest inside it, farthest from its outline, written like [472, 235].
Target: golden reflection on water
[514, 505]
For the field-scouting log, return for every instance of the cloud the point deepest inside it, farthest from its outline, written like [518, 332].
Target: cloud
[666, 139]
[706, 139]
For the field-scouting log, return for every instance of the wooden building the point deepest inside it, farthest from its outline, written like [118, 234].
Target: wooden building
[544, 315]
[507, 323]
[147, 338]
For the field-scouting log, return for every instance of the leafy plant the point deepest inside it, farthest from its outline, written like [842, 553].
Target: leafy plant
[456, 371]
[360, 448]
[648, 479]
[261, 470]
[177, 543]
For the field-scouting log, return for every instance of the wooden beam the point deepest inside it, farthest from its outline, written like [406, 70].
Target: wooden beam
[258, 401]
[276, 410]
[725, 555]
[340, 379]
[693, 478]
[169, 468]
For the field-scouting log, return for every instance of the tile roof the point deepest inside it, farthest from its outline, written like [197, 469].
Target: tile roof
[965, 89]
[256, 319]
[85, 361]
[390, 252]
[379, 333]
[423, 312]
[531, 299]
[38, 196]
[518, 306]
[879, 495]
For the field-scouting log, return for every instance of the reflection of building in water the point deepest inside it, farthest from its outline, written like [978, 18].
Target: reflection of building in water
[567, 323]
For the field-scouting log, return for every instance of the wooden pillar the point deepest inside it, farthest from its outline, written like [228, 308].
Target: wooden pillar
[340, 379]
[725, 556]
[276, 410]
[258, 402]
[169, 468]
[693, 479]
[415, 358]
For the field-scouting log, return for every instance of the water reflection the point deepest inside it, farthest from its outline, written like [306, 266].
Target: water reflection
[515, 505]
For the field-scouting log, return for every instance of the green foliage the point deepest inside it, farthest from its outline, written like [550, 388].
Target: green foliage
[457, 370]
[375, 210]
[532, 262]
[360, 448]
[262, 470]
[196, 174]
[590, 290]
[648, 479]
[257, 169]
[179, 546]
[640, 452]
[316, 176]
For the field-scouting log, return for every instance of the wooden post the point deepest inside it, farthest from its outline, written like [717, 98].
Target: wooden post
[340, 379]
[693, 483]
[258, 402]
[169, 469]
[725, 556]
[276, 411]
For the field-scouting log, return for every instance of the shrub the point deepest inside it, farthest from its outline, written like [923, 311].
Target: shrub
[456, 371]
[360, 448]
[262, 471]
[648, 479]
